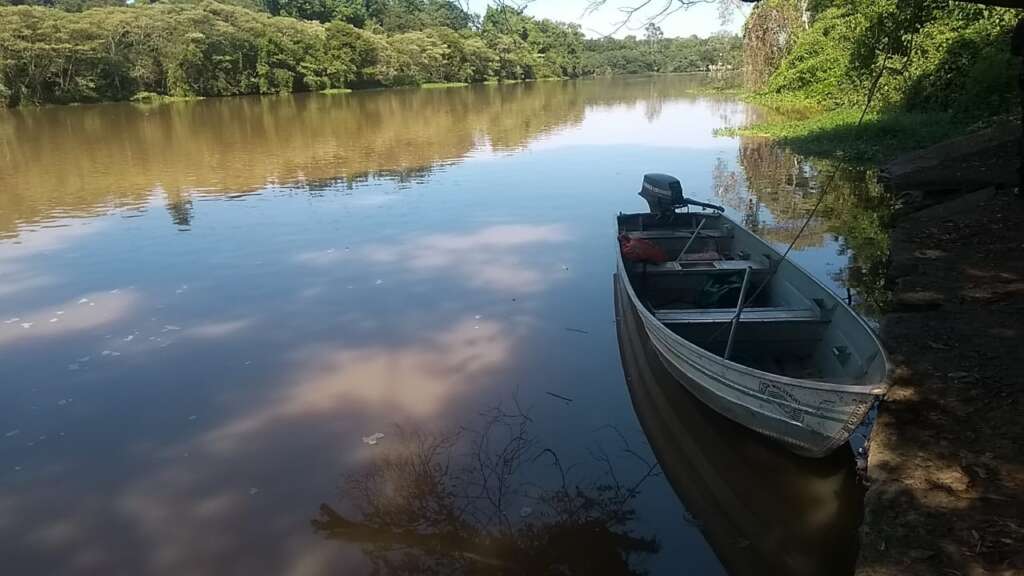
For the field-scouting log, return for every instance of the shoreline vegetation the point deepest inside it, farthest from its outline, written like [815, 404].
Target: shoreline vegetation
[934, 70]
[833, 133]
[79, 51]
[944, 472]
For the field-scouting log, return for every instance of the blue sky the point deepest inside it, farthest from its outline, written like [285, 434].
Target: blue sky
[702, 20]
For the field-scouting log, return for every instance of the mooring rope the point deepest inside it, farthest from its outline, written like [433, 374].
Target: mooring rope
[821, 197]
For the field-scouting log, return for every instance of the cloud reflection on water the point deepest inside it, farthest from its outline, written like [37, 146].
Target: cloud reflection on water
[78, 314]
[493, 257]
[380, 383]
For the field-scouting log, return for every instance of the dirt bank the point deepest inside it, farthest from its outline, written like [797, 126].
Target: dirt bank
[946, 464]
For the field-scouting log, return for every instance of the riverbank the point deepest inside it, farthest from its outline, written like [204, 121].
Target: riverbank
[945, 468]
[840, 134]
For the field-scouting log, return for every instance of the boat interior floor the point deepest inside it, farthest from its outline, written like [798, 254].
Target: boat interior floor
[778, 329]
[789, 365]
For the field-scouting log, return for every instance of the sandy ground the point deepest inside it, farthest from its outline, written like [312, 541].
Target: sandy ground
[946, 464]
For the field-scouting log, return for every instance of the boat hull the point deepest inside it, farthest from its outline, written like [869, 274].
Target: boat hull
[809, 421]
[811, 417]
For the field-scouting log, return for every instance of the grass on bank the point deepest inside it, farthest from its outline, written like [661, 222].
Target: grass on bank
[835, 134]
[154, 98]
[443, 85]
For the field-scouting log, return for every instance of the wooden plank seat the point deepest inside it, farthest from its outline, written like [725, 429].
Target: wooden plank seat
[711, 315]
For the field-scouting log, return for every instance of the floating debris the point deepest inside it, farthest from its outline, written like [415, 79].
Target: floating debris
[83, 301]
[379, 282]
[84, 359]
[254, 491]
[60, 312]
[64, 402]
[170, 328]
[372, 439]
[477, 317]
[54, 319]
[128, 338]
[17, 468]
[193, 418]
[115, 291]
[14, 432]
[73, 366]
[110, 353]
[564, 267]
[525, 511]
[11, 320]
[26, 324]
[577, 330]
[559, 396]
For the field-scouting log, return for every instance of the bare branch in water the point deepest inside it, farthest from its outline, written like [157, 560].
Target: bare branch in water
[441, 503]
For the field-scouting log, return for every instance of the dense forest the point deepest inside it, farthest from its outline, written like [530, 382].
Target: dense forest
[934, 68]
[64, 51]
[655, 53]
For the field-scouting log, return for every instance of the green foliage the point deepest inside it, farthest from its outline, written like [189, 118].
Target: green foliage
[655, 53]
[817, 68]
[929, 55]
[188, 48]
[526, 48]
[768, 35]
[322, 10]
[937, 69]
[209, 48]
[835, 133]
[154, 98]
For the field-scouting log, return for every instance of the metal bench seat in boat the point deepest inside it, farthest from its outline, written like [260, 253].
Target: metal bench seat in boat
[670, 234]
[705, 266]
[699, 257]
[705, 315]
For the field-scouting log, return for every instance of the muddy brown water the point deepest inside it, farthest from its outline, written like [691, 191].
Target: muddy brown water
[375, 331]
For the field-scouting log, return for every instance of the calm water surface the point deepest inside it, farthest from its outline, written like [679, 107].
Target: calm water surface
[211, 311]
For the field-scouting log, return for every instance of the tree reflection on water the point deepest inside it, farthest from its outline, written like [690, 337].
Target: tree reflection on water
[489, 499]
[774, 189]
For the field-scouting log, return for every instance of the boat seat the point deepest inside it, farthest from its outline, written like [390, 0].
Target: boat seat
[704, 266]
[672, 234]
[706, 315]
[699, 257]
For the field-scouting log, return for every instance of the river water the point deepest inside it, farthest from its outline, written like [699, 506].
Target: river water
[375, 331]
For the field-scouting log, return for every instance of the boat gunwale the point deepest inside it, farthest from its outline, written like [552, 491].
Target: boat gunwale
[878, 389]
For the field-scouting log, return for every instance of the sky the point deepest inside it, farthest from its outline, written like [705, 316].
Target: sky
[702, 20]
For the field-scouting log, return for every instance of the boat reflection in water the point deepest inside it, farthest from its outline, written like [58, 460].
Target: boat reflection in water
[763, 509]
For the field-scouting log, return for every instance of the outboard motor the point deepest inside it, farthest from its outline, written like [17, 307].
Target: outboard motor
[664, 194]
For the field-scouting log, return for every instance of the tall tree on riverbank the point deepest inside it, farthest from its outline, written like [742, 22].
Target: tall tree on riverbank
[768, 35]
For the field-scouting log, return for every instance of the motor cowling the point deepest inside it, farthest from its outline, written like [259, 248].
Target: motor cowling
[662, 192]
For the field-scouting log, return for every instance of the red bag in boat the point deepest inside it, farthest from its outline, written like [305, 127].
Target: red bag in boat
[640, 250]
